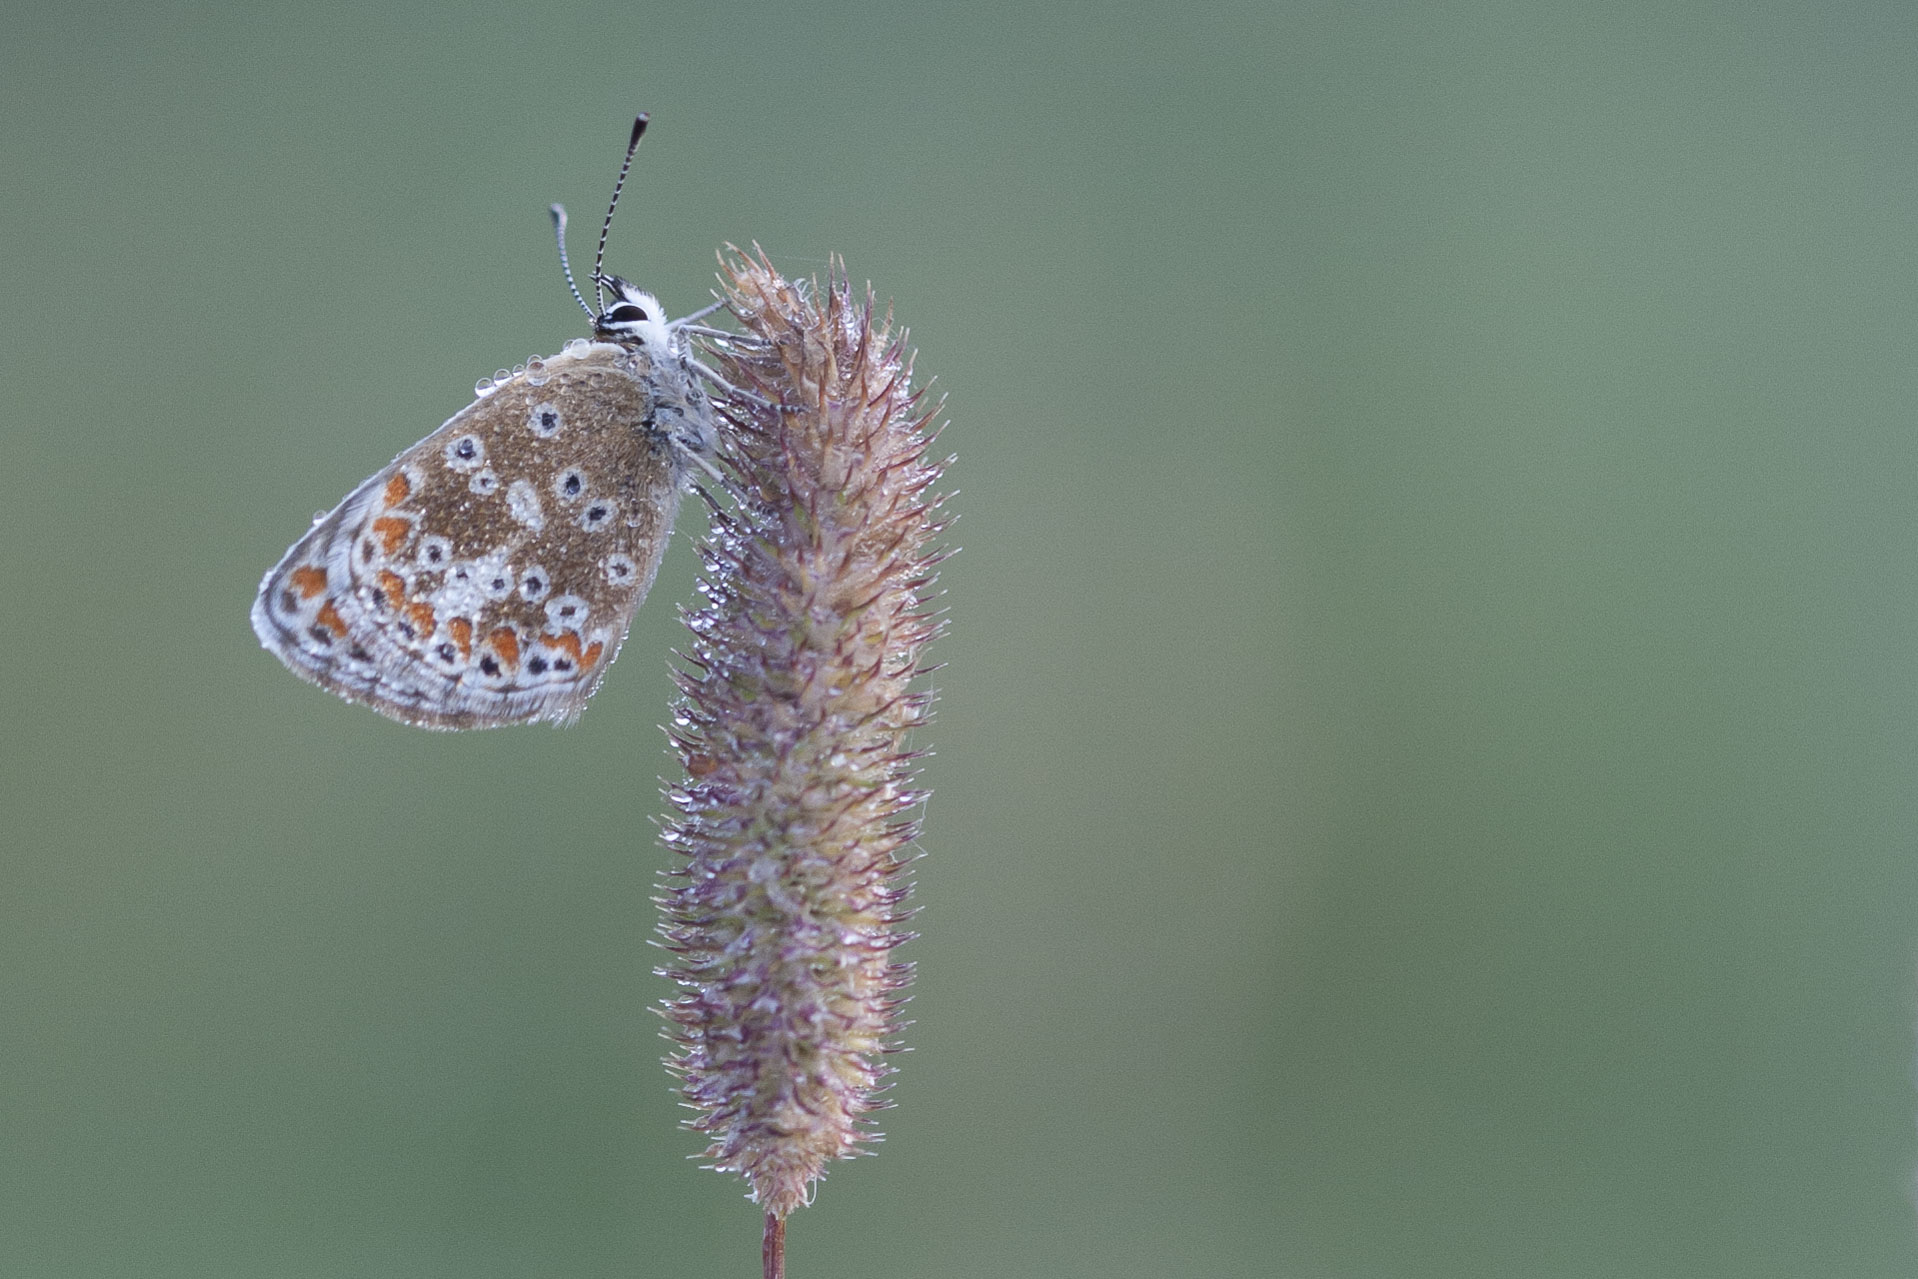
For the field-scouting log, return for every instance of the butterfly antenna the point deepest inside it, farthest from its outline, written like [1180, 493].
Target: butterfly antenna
[559, 232]
[639, 130]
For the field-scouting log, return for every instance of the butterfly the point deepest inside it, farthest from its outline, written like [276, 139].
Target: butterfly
[489, 573]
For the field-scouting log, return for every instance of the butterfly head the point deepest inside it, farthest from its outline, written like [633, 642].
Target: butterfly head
[634, 318]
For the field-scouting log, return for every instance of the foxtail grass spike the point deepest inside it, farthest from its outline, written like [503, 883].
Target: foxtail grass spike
[802, 688]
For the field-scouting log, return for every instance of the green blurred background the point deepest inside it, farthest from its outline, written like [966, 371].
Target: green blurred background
[1424, 776]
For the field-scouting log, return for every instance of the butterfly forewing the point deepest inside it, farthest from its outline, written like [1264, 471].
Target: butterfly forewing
[488, 575]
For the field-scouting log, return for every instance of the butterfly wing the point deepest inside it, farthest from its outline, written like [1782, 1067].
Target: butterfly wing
[488, 574]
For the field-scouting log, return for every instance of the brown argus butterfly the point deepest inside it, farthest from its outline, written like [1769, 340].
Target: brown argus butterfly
[488, 574]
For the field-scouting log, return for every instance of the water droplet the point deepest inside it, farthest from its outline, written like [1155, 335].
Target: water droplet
[484, 387]
[536, 372]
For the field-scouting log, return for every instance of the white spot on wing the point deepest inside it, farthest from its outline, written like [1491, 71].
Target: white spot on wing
[469, 586]
[620, 568]
[597, 516]
[522, 499]
[466, 453]
[566, 612]
[435, 552]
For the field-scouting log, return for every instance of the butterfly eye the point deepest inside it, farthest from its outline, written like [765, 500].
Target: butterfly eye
[627, 313]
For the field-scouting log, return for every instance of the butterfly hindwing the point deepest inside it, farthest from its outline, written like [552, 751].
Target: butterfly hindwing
[489, 573]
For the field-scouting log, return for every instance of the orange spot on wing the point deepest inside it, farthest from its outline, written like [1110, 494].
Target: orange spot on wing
[420, 613]
[391, 531]
[567, 640]
[591, 656]
[506, 644]
[394, 586]
[330, 618]
[462, 632]
[309, 580]
[397, 489]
